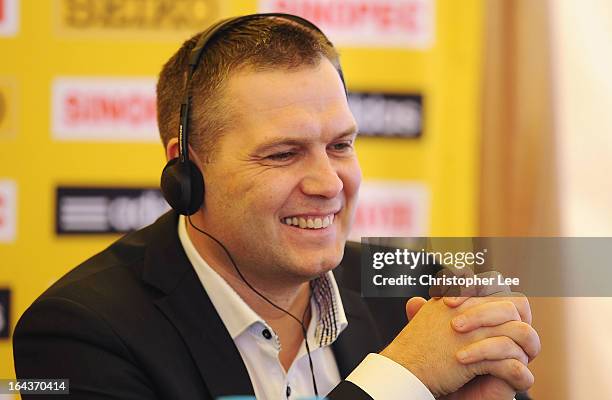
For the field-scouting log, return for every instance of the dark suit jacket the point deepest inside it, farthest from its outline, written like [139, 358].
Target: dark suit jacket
[133, 322]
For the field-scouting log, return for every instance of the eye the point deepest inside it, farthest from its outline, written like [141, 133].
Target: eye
[284, 156]
[342, 146]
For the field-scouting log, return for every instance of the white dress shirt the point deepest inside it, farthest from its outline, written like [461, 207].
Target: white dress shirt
[259, 346]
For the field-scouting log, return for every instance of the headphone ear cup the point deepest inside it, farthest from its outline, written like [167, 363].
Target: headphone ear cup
[182, 185]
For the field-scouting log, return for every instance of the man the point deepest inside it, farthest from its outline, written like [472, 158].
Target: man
[240, 298]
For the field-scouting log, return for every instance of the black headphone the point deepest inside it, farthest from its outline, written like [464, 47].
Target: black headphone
[182, 182]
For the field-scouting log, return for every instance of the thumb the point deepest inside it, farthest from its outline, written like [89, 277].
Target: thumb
[413, 306]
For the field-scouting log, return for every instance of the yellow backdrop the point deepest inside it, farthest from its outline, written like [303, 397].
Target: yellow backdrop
[48, 43]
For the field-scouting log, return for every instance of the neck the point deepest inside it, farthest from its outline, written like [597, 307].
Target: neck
[292, 297]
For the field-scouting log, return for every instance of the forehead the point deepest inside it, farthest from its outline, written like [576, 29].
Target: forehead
[309, 101]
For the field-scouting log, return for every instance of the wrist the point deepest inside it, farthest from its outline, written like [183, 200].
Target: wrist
[407, 361]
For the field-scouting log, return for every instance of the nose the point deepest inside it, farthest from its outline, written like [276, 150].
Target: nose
[321, 178]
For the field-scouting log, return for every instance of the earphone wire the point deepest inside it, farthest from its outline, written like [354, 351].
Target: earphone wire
[301, 322]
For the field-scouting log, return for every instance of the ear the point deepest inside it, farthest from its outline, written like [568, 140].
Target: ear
[172, 149]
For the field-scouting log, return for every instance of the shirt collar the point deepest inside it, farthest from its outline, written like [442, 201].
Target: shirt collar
[237, 315]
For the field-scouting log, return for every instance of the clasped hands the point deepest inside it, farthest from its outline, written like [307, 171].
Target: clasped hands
[473, 348]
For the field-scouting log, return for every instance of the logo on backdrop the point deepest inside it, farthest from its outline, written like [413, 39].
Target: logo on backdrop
[365, 23]
[9, 17]
[5, 313]
[8, 211]
[391, 208]
[104, 109]
[387, 114]
[81, 210]
[142, 19]
[8, 106]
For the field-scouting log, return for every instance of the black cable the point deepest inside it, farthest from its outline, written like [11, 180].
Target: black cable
[304, 332]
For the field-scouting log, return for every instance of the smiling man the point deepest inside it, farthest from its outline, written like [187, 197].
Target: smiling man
[241, 296]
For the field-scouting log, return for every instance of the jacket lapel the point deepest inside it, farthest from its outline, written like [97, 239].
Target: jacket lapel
[189, 309]
[361, 336]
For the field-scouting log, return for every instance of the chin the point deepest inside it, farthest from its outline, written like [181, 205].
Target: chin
[310, 268]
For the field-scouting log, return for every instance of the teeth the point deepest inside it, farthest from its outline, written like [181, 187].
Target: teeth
[310, 222]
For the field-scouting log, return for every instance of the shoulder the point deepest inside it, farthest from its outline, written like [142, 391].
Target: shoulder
[117, 266]
[108, 287]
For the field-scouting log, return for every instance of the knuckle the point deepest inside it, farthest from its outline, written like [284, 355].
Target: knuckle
[510, 308]
[521, 298]
[530, 380]
[522, 301]
[516, 369]
[525, 332]
[539, 347]
[529, 339]
[536, 345]
[522, 304]
[507, 304]
[526, 379]
[511, 349]
[507, 345]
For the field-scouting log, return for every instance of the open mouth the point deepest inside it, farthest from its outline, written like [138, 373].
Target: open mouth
[309, 222]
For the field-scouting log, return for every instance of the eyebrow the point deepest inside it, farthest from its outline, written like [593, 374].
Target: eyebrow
[285, 141]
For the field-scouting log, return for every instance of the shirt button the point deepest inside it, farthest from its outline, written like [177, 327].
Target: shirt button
[266, 333]
[288, 391]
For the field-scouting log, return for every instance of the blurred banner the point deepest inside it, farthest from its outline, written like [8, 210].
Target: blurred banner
[546, 153]
[519, 177]
[582, 32]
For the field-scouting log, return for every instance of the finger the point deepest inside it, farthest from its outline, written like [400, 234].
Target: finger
[495, 388]
[522, 305]
[514, 372]
[494, 288]
[519, 299]
[522, 333]
[487, 314]
[492, 349]
[413, 306]
[481, 290]
[453, 302]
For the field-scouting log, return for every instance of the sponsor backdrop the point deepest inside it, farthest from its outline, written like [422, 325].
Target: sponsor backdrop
[80, 157]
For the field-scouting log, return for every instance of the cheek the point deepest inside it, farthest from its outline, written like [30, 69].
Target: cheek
[265, 196]
[351, 178]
